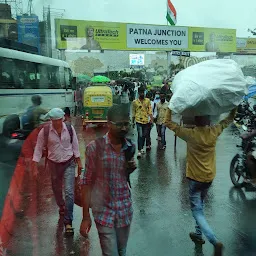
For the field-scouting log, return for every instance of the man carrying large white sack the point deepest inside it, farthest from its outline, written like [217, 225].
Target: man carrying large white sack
[208, 88]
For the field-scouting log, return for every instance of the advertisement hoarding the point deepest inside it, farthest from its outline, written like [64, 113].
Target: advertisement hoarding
[28, 30]
[97, 35]
[212, 40]
[90, 35]
[246, 45]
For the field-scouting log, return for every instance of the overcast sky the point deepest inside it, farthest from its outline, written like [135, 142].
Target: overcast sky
[201, 13]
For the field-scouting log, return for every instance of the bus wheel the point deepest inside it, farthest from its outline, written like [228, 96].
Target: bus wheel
[11, 124]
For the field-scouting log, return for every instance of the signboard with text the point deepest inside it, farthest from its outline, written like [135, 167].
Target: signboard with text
[137, 59]
[98, 35]
[181, 53]
[28, 30]
[152, 37]
[90, 35]
[246, 45]
[212, 40]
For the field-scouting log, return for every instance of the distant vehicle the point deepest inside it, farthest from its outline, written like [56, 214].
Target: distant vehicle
[97, 101]
[23, 75]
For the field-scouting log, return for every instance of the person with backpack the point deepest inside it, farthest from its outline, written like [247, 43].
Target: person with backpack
[105, 184]
[31, 118]
[201, 169]
[58, 141]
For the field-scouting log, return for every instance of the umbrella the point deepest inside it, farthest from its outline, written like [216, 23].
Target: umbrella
[83, 78]
[100, 79]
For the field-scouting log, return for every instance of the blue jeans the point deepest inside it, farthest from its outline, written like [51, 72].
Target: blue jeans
[143, 131]
[113, 241]
[197, 194]
[161, 133]
[60, 172]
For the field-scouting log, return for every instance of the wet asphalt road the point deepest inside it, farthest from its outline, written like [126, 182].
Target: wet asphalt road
[162, 217]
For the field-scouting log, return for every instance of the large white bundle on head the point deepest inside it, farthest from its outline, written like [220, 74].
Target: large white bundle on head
[211, 87]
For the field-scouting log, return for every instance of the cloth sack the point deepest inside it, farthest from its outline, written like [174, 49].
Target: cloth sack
[211, 87]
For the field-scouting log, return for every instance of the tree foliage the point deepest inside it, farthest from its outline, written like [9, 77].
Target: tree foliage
[159, 65]
[86, 65]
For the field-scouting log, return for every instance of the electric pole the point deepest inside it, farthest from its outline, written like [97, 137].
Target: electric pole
[48, 14]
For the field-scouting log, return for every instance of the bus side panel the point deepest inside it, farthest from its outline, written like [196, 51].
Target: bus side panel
[17, 101]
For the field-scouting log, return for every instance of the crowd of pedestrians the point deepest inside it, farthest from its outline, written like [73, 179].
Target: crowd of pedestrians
[111, 159]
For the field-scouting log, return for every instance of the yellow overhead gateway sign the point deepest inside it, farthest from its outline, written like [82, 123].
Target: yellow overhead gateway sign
[98, 35]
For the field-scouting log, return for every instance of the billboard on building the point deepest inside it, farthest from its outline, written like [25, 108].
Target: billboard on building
[246, 45]
[28, 30]
[98, 35]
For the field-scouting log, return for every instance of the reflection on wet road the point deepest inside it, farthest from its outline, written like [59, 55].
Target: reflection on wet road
[162, 220]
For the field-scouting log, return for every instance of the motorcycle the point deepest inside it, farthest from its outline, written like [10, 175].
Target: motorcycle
[238, 167]
[20, 134]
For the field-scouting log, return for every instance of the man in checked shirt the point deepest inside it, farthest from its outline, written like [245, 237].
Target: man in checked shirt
[105, 187]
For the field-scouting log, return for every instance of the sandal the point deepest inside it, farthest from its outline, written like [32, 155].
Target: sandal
[69, 231]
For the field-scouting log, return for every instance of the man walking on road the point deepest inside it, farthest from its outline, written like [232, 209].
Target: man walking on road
[60, 142]
[31, 118]
[201, 169]
[141, 112]
[162, 107]
[109, 161]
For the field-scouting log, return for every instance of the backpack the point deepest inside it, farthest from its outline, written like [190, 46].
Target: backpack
[46, 135]
[27, 117]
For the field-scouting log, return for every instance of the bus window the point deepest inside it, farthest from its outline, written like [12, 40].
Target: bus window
[62, 77]
[54, 78]
[48, 77]
[68, 79]
[42, 76]
[25, 73]
[8, 72]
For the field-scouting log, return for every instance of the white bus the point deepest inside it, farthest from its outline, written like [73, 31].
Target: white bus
[22, 75]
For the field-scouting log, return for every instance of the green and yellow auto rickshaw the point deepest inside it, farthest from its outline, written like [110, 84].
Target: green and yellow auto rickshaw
[97, 100]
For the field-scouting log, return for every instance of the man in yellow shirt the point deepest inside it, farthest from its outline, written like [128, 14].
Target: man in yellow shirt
[141, 111]
[201, 168]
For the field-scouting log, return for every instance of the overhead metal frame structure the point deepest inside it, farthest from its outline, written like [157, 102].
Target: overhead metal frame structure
[48, 14]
